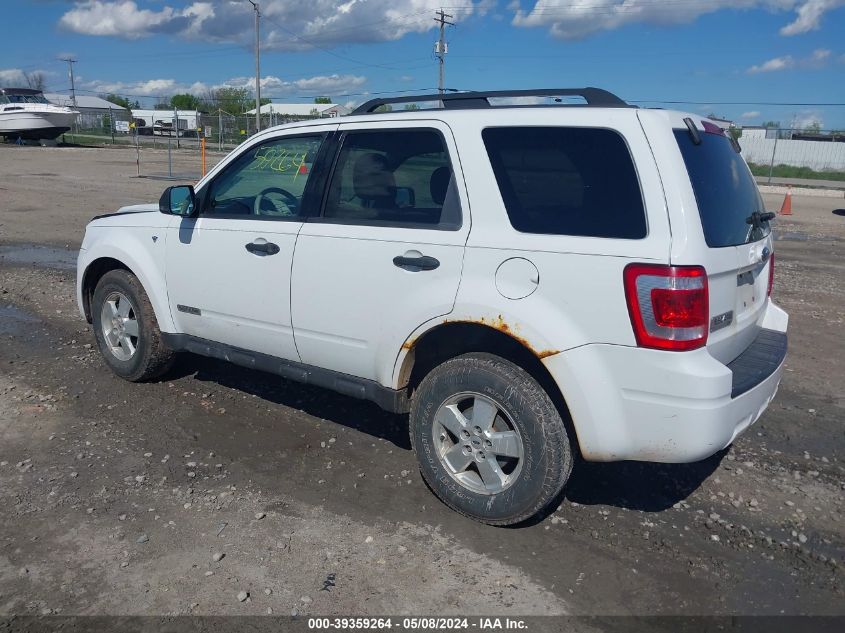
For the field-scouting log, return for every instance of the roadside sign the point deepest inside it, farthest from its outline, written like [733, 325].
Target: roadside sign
[121, 126]
[207, 131]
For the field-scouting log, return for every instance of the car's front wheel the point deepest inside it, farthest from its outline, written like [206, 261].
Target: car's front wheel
[490, 442]
[126, 329]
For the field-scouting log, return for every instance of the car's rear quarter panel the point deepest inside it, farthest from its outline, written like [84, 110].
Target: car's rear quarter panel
[580, 298]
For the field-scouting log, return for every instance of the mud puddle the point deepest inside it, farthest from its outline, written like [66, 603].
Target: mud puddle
[45, 256]
[13, 319]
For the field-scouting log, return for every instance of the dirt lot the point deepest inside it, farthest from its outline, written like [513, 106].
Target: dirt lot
[121, 499]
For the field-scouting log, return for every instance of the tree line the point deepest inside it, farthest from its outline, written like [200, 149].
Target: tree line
[228, 99]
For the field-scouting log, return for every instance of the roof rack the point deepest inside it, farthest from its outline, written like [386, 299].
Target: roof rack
[595, 97]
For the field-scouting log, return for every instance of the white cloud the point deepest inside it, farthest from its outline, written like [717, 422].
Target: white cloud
[122, 18]
[807, 118]
[809, 16]
[754, 114]
[778, 63]
[285, 25]
[145, 88]
[12, 77]
[570, 19]
[17, 78]
[820, 55]
[272, 86]
[817, 59]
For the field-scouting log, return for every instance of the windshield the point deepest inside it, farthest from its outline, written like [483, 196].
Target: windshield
[26, 99]
[725, 190]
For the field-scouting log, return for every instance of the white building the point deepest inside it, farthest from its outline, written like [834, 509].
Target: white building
[757, 131]
[92, 110]
[315, 110]
[161, 122]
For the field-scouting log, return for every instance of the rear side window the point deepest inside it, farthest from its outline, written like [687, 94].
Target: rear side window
[567, 181]
[399, 178]
[724, 190]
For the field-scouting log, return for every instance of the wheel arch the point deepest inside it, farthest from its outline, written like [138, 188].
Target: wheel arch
[455, 338]
[91, 277]
[98, 267]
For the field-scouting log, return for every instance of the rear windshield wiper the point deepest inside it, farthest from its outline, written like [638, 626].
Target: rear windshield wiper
[757, 218]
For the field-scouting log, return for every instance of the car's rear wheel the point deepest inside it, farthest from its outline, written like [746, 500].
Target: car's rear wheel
[490, 442]
[126, 329]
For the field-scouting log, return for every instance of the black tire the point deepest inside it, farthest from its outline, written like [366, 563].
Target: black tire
[152, 357]
[548, 458]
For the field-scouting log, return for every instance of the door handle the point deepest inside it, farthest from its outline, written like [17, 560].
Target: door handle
[262, 248]
[416, 264]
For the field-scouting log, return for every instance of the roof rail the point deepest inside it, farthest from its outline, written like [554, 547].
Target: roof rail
[595, 97]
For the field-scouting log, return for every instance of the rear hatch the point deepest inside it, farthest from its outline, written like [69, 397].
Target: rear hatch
[739, 254]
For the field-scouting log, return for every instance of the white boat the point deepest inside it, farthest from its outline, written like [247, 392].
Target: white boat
[26, 114]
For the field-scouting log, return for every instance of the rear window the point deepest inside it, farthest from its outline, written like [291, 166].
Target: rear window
[567, 181]
[724, 190]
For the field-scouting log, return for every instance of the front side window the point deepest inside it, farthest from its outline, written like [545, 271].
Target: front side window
[394, 177]
[265, 182]
[567, 181]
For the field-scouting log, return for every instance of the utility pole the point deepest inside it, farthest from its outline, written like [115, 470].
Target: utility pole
[257, 69]
[70, 61]
[441, 47]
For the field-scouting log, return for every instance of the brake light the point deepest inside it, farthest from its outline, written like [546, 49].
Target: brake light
[669, 306]
[771, 274]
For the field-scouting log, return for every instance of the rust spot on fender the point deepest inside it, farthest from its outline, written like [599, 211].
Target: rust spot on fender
[502, 326]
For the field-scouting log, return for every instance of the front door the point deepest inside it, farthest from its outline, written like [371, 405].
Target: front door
[228, 269]
[386, 253]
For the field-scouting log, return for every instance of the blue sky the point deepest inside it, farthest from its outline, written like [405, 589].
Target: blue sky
[651, 51]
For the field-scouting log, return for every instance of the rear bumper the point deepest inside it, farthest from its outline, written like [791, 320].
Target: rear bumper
[649, 405]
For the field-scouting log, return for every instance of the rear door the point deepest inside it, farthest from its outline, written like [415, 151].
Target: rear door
[737, 250]
[385, 254]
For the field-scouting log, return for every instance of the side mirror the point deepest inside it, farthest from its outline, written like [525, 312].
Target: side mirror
[179, 201]
[404, 198]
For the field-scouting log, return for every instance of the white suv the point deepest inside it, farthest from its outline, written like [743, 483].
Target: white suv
[527, 281]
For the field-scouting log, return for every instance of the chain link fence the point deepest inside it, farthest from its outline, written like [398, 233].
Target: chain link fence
[773, 154]
[165, 150]
[221, 130]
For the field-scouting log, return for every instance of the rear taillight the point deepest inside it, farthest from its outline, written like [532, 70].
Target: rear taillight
[771, 274]
[668, 305]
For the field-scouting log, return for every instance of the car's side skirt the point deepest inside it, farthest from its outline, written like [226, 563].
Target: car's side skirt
[388, 399]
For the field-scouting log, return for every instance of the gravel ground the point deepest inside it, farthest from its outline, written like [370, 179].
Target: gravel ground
[225, 491]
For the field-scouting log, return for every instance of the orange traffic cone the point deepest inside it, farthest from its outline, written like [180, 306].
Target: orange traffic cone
[786, 207]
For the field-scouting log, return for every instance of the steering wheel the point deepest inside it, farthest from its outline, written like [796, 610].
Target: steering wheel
[288, 206]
